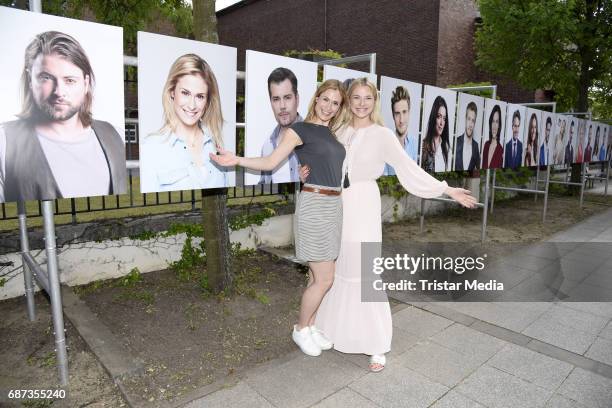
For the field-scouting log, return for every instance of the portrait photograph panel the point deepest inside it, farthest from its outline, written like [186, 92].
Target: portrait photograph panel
[278, 91]
[533, 135]
[468, 133]
[514, 137]
[62, 127]
[605, 143]
[493, 131]
[597, 142]
[346, 75]
[560, 142]
[437, 128]
[547, 141]
[608, 136]
[401, 111]
[581, 135]
[572, 140]
[187, 110]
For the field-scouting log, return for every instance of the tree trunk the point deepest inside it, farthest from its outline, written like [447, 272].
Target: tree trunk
[216, 239]
[584, 83]
[205, 21]
[214, 201]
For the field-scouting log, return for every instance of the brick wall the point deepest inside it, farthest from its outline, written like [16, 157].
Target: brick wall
[425, 41]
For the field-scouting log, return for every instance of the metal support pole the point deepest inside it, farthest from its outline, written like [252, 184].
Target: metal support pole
[493, 190]
[583, 182]
[537, 183]
[36, 6]
[27, 272]
[607, 177]
[55, 293]
[373, 63]
[485, 201]
[546, 193]
[422, 220]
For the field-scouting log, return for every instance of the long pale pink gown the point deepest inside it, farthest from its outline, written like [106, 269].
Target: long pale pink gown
[352, 325]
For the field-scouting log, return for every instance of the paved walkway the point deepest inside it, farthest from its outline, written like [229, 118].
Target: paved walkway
[503, 354]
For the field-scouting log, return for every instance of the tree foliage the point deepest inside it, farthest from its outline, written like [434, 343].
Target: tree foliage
[564, 45]
[132, 15]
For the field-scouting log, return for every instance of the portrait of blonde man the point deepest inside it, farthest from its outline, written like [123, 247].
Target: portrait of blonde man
[56, 149]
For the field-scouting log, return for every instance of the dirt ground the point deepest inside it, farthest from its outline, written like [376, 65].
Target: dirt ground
[513, 220]
[188, 340]
[28, 361]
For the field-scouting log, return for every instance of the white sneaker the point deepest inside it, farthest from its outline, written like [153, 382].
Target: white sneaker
[319, 338]
[304, 340]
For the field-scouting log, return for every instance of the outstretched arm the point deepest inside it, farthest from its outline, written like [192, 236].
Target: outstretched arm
[414, 179]
[268, 163]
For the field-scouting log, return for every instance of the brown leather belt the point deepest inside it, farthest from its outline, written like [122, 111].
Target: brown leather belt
[321, 191]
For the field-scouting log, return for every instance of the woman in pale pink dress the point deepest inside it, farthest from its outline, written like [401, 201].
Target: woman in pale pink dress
[352, 325]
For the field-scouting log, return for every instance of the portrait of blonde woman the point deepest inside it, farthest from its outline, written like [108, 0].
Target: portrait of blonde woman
[176, 157]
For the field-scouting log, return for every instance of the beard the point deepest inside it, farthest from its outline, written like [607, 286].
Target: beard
[47, 111]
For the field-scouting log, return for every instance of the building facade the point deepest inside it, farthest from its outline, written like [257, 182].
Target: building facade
[425, 41]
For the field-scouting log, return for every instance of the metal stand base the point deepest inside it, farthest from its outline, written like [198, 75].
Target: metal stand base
[48, 280]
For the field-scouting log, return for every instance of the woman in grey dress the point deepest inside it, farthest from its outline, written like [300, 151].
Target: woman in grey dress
[319, 208]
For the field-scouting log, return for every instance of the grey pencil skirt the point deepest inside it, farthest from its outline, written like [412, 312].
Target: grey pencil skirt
[317, 225]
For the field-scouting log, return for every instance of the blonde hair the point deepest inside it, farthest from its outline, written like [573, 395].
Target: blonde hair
[68, 48]
[341, 117]
[375, 116]
[191, 64]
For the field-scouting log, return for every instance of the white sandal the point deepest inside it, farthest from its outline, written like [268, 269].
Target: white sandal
[377, 363]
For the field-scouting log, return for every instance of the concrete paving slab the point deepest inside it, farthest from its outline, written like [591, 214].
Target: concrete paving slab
[533, 367]
[592, 249]
[528, 262]
[593, 293]
[587, 388]
[419, 322]
[469, 342]
[345, 398]
[559, 401]
[601, 278]
[601, 350]
[565, 337]
[606, 333]
[497, 389]
[497, 313]
[240, 395]
[439, 363]
[544, 250]
[455, 400]
[549, 285]
[605, 236]
[601, 309]
[579, 320]
[572, 358]
[399, 387]
[441, 309]
[501, 333]
[400, 342]
[304, 380]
